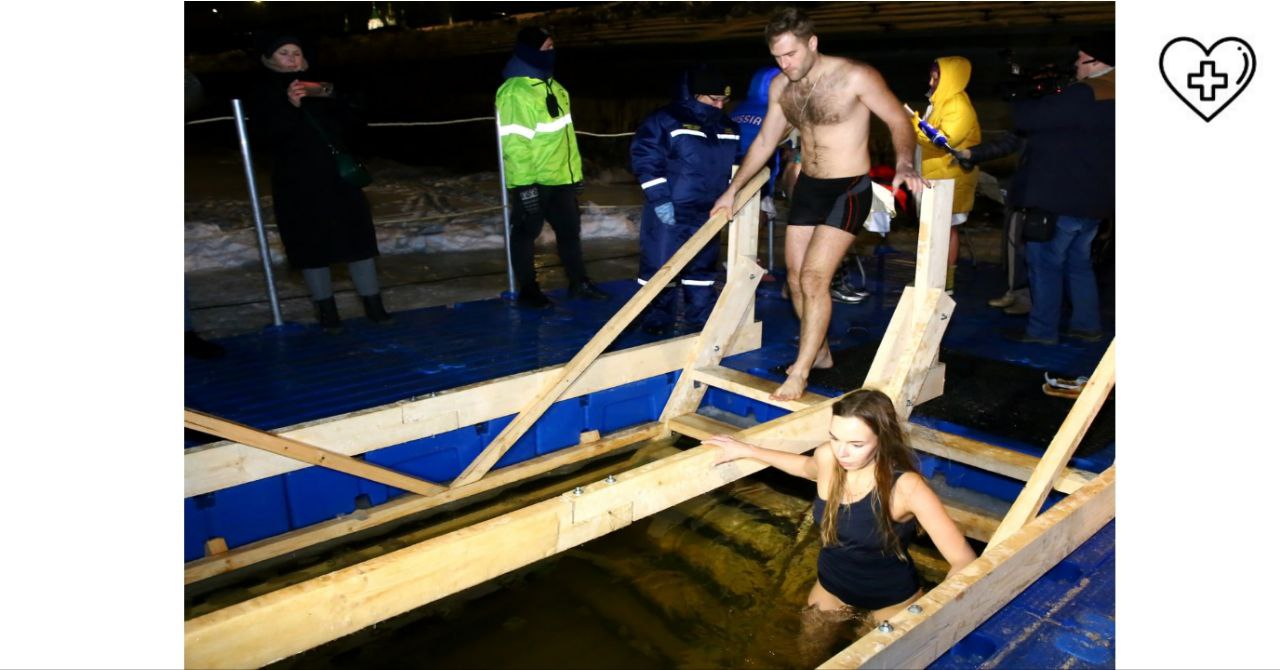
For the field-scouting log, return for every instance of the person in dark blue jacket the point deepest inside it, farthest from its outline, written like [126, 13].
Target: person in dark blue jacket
[749, 115]
[683, 157]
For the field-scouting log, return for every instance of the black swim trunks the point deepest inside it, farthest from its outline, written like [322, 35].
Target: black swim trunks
[844, 202]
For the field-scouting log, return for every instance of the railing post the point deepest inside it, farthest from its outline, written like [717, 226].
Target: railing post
[263, 249]
[744, 242]
[506, 207]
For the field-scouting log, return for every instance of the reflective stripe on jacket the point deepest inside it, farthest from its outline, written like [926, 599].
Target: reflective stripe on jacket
[684, 153]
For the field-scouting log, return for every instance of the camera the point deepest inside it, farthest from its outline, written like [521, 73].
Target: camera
[1026, 83]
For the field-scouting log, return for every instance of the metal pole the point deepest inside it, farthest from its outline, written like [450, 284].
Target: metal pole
[264, 250]
[506, 207]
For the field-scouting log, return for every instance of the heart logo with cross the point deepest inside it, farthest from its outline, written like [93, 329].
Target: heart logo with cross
[1207, 80]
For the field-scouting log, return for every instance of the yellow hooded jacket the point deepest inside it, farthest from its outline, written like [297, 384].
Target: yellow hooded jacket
[954, 116]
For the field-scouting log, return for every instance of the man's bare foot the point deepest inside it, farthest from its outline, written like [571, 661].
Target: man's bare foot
[823, 362]
[791, 389]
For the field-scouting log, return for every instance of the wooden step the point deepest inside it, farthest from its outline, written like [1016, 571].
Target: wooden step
[751, 386]
[701, 427]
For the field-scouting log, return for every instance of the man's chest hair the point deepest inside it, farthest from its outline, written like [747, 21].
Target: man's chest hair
[826, 103]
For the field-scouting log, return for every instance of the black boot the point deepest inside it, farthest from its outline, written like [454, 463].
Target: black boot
[374, 310]
[586, 290]
[327, 315]
[198, 347]
[533, 298]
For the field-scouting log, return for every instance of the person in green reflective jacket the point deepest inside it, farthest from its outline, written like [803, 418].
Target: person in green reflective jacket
[542, 166]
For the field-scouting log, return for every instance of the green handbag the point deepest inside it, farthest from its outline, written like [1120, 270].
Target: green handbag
[350, 169]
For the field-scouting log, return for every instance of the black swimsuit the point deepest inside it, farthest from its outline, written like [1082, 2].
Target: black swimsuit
[859, 571]
[844, 202]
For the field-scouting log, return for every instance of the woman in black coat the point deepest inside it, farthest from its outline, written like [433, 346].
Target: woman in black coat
[322, 219]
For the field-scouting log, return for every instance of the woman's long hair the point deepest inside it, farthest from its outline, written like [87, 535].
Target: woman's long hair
[892, 454]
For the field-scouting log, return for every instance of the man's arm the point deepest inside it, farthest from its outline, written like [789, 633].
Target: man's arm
[771, 132]
[871, 88]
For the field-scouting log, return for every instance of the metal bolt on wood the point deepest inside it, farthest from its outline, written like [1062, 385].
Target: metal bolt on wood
[915, 609]
[577, 490]
[610, 479]
[716, 348]
[885, 627]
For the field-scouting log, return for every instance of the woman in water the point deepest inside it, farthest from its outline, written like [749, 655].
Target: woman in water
[870, 497]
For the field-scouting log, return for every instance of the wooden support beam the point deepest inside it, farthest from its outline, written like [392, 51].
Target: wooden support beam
[934, 383]
[959, 449]
[293, 619]
[731, 308]
[935, 238]
[902, 369]
[750, 386]
[1092, 397]
[989, 457]
[222, 465]
[283, 446]
[557, 385]
[399, 508]
[744, 242]
[954, 608]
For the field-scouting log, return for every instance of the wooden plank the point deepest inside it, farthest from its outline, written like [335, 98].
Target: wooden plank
[1064, 444]
[700, 427]
[989, 457]
[559, 383]
[215, 545]
[224, 464]
[404, 506]
[954, 608]
[732, 307]
[283, 446]
[920, 346]
[893, 342]
[282, 623]
[744, 240]
[750, 386]
[935, 237]
[934, 383]
[974, 523]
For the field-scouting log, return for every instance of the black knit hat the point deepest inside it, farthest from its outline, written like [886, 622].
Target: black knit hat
[532, 36]
[1101, 47]
[268, 43]
[707, 80]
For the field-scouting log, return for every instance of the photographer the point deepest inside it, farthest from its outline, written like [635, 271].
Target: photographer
[1063, 189]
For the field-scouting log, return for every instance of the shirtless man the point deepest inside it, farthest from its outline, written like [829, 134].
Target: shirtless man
[830, 100]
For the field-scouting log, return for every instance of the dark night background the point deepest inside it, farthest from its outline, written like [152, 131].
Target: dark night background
[399, 76]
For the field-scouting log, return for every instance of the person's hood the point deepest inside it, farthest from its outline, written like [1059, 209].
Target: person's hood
[953, 77]
[758, 92]
[706, 115]
[519, 67]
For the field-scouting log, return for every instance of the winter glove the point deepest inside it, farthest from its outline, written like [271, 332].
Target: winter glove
[529, 201]
[666, 213]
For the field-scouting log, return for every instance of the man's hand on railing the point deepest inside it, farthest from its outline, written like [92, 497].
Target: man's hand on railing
[725, 202]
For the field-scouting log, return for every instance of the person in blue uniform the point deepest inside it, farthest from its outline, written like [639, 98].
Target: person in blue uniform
[870, 498]
[683, 157]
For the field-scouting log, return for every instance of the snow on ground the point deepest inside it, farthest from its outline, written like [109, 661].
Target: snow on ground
[415, 210]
